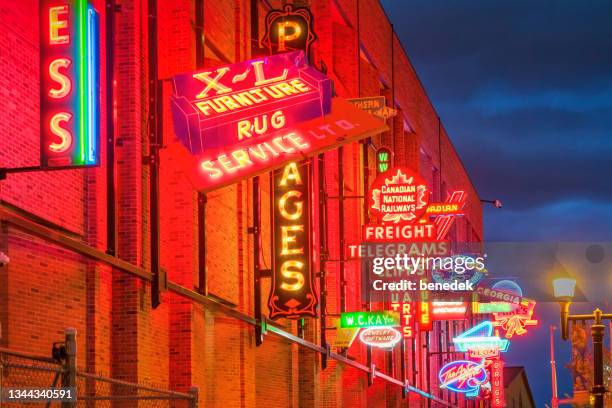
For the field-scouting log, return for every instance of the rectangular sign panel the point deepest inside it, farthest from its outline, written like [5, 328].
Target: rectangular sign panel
[292, 293]
[448, 310]
[69, 81]
[232, 105]
[369, 319]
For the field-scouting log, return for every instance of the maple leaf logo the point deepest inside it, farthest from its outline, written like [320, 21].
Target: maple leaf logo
[399, 179]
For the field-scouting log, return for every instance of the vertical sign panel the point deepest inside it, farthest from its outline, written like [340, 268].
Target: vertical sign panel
[69, 81]
[292, 294]
[497, 383]
[407, 314]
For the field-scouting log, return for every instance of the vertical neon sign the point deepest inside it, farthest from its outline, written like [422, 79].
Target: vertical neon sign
[292, 293]
[69, 80]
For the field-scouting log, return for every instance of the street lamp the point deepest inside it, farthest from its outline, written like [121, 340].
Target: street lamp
[564, 292]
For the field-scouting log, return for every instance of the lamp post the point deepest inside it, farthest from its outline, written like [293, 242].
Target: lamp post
[564, 292]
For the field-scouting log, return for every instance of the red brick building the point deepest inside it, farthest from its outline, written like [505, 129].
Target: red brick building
[71, 266]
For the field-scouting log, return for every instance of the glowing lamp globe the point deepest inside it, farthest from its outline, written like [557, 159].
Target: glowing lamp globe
[564, 287]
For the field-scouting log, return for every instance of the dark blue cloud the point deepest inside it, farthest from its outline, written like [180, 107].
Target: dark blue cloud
[524, 88]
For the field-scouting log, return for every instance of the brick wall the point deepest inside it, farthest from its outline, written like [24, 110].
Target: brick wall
[180, 344]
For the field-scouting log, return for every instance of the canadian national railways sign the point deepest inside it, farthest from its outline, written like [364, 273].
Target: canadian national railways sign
[399, 196]
[292, 294]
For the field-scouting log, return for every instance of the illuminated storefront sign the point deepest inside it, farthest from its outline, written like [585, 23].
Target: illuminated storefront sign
[216, 168]
[369, 319]
[424, 313]
[399, 199]
[448, 310]
[383, 159]
[289, 29]
[493, 307]
[240, 103]
[463, 376]
[292, 293]
[375, 105]
[480, 337]
[496, 369]
[69, 80]
[407, 313]
[514, 322]
[400, 195]
[445, 221]
[381, 337]
[498, 295]
[345, 337]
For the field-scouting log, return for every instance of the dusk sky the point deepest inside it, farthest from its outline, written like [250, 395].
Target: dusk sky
[524, 89]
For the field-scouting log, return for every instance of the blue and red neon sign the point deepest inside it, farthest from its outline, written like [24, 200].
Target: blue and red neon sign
[69, 79]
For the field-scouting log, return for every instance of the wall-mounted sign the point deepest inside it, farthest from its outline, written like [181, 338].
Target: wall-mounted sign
[69, 80]
[381, 337]
[238, 103]
[407, 314]
[424, 313]
[448, 310]
[496, 370]
[444, 221]
[492, 307]
[375, 105]
[483, 353]
[289, 29]
[369, 319]
[384, 159]
[399, 195]
[216, 168]
[480, 337]
[515, 321]
[292, 293]
[463, 376]
[345, 337]
[498, 295]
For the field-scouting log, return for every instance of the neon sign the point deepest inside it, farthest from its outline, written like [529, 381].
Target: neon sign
[69, 79]
[480, 337]
[239, 103]
[289, 29]
[369, 319]
[496, 368]
[399, 198]
[218, 167]
[448, 310]
[463, 376]
[400, 195]
[292, 293]
[383, 159]
[424, 313]
[493, 307]
[407, 316]
[381, 337]
[514, 322]
[444, 222]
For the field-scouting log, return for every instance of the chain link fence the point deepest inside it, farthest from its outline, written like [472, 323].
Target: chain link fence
[19, 370]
